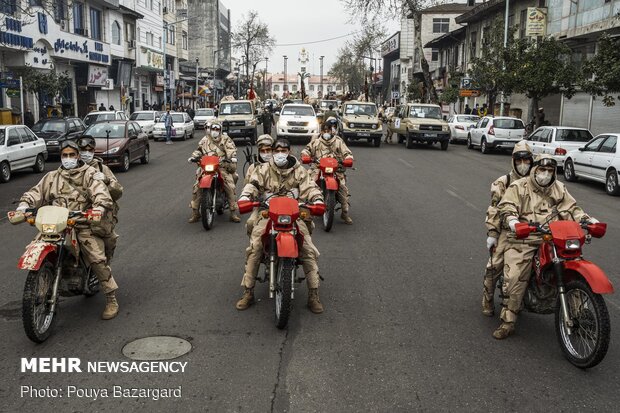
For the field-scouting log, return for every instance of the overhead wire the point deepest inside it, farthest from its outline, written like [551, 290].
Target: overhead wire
[318, 41]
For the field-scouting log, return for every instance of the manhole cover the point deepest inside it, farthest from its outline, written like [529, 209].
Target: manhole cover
[156, 348]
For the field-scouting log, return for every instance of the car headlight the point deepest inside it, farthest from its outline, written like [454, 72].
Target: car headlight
[48, 228]
[209, 168]
[351, 125]
[111, 151]
[415, 127]
[573, 244]
[329, 170]
[284, 219]
[445, 128]
[374, 126]
[52, 143]
[250, 123]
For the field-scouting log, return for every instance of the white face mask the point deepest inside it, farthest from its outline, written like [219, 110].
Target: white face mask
[266, 157]
[523, 169]
[215, 134]
[87, 156]
[69, 163]
[327, 136]
[280, 159]
[543, 178]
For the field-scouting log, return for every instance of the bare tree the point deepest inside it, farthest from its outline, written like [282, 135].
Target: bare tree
[374, 11]
[252, 38]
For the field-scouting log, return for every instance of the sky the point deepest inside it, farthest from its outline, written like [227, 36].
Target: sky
[303, 22]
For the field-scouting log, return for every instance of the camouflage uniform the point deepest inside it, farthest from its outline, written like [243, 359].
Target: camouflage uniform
[336, 148]
[77, 190]
[495, 265]
[268, 179]
[105, 229]
[225, 149]
[526, 201]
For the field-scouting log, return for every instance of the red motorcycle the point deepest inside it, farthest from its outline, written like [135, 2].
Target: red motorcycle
[565, 283]
[329, 184]
[282, 241]
[213, 199]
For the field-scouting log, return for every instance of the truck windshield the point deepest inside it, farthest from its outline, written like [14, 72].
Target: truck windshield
[432, 112]
[235, 109]
[298, 110]
[367, 110]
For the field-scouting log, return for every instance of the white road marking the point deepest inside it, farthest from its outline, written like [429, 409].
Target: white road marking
[469, 204]
[406, 163]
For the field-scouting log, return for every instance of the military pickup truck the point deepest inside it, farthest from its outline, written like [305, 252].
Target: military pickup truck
[359, 121]
[238, 119]
[419, 122]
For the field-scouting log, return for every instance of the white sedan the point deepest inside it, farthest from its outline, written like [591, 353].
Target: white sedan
[182, 127]
[20, 148]
[460, 125]
[146, 119]
[557, 141]
[598, 161]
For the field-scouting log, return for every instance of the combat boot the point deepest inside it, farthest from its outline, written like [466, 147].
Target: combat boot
[111, 307]
[346, 218]
[195, 216]
[314, 304]
[504, 330]
[234, 216]
[247, 299]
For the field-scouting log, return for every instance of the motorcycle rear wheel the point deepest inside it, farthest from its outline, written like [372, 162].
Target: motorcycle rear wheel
[36, 317]
[283, 294]
[207, 208]
[330, 203]
[588, 342]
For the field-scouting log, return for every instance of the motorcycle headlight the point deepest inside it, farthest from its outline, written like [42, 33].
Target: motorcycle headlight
[48, 228]
[209, 168]
[284, 219]
[329, 170]
[111, 151]
[573, 244]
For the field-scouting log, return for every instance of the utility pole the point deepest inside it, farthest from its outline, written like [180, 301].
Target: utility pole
[285, 88]
[503, 96]
[196, 90]
[321, 80]
[265, 80]
[166, 73]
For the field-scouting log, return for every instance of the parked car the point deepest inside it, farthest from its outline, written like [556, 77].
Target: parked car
[598, 161]
[182, 125]
[20, 148]
[203, 116]
[359, 120]
[557, 141]
[418, 122]
[101, 116]
[296, 120]
[56, 130]
[146, 119]
[460, 125]
[500, 132]
[119, 143]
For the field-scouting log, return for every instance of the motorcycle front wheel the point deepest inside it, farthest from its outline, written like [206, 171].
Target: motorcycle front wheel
[330, 206]
[37, 318]
[284, 287]
[207, 207]
[588, 341]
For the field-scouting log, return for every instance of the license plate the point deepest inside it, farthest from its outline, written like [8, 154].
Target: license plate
[297, 128]
[363, 134]
[430, 135]
[235, 131]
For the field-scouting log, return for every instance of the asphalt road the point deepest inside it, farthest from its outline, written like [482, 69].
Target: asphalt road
[402, 330]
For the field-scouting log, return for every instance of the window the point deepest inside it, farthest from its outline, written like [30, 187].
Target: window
[116, 33]
[609, 146]
[95, 24]
[311, 88]
[150, 3]
[13, 138]
[78, 18]
[472, 42]
[60, 10]
[593, 146]
[435, 55]
[522, 23]
[276, 88]
[338, 87]
[441, 25]
[294, 88]
[171, 35]
[36, 3]
[129, 32]
[8, 7]
[573, 135]
[184, 40]
[149, 39]
[329, 88]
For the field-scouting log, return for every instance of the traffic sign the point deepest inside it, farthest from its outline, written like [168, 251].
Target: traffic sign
[9, 83]
[13, 93]
[395, 95]
[468, 93]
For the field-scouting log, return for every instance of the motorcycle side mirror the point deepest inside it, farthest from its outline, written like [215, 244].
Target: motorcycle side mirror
[597, 230]
[246, 206]
[523, 230]
[347, 163]
[582, 149]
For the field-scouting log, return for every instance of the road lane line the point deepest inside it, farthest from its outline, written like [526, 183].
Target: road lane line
[406, 163]
[469, 204]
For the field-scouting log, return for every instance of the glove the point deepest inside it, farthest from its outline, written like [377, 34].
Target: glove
[99, 176]
[593, 221]
[233, 160]
[491, 242]
[190, 159]
[22, 207]
[512, 224]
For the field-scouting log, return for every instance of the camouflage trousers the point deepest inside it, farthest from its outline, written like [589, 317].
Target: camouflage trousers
[342, 196]
[110, 245]
[495, 267]
[94, 250]
[517, 272]
[229, 189]
[308, 255]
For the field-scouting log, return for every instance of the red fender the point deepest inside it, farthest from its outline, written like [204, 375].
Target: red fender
[287, 246]
[331, 183]
[592, 273]
[34, 255]
[206, 181]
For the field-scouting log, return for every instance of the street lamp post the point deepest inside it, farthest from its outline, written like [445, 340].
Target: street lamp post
[321, 81]
[285, 88]
[196, 90]
[503, 97]
[166, 73]
[265, 80]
